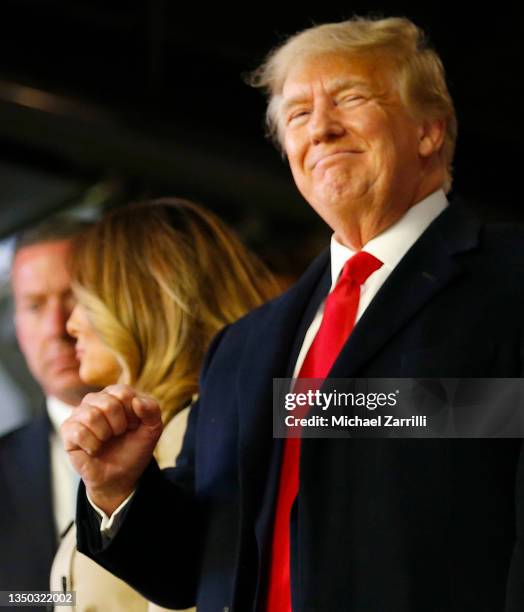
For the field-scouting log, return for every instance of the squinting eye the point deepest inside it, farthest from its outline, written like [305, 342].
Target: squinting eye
[297, 115]
[351, 99]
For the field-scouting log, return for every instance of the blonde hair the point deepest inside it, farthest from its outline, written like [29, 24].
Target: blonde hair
[419, 70]
[159, 280]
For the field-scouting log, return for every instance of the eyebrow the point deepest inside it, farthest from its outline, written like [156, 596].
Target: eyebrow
[32, 294]
[334, 86]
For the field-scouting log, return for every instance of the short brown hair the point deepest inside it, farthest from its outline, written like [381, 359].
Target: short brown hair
[53, 229]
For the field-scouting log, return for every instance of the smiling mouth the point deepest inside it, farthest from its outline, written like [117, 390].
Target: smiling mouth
[334, 156]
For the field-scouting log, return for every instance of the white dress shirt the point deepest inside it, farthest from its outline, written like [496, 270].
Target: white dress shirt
[64, 479]
[389, 247]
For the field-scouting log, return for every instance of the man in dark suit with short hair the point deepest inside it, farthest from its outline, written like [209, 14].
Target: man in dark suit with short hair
[36, 482]
[417, 287]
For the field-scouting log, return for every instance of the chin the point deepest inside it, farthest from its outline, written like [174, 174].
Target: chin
[68, 379]
[72, 393]
[96, 379]
[88, 377]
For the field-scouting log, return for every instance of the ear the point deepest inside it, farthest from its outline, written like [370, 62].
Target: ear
[431, 134]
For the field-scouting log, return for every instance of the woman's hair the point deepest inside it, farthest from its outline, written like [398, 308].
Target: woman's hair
[158, 280]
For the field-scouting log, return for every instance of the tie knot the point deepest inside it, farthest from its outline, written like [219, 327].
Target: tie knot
[359, 267]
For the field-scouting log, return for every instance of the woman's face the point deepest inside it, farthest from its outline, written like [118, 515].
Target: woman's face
[98, 363]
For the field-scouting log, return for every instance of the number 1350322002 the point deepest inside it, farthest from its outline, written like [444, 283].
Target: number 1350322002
[42, 598]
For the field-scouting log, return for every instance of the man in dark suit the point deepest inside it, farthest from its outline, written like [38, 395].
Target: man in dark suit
[36, 483]
[246, 522]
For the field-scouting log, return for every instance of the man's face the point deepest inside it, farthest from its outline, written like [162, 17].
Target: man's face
[43, 303]
[352, 147]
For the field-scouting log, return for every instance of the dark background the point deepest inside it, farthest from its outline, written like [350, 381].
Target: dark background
[144, 98]
[106, 101]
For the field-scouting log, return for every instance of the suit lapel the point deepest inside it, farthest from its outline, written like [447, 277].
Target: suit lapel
[426, 269]
[267, 355]
[269, 346]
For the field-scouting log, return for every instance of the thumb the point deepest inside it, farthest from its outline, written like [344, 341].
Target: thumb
[148, 411]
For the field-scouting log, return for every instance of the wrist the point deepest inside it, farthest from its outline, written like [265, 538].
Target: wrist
[108, 500]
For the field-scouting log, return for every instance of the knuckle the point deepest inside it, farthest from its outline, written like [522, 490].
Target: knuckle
[103, 402]
[65, 432]
[89, 398]
[121, 391]
[78, 436]
[64, 427]
[113, 410]
[91, 417]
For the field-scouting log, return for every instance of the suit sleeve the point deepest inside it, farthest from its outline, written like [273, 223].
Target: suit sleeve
[157, 548]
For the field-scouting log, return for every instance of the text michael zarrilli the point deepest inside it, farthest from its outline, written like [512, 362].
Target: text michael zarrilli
[386, 420]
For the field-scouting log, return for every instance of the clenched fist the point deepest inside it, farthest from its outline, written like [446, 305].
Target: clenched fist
[110, 439]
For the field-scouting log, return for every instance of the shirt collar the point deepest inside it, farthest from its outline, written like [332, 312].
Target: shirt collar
[58, 412]
[394, 242]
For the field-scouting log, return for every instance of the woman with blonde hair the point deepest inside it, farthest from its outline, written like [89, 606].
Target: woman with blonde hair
[154, 283]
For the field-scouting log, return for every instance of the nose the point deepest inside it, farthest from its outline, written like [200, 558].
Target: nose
[71, 324]
[325, 123]
[55, 318]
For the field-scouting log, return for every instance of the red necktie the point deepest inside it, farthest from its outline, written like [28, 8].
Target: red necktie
[340, 312]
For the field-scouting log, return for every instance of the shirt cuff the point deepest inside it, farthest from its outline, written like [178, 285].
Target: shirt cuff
[110, 524]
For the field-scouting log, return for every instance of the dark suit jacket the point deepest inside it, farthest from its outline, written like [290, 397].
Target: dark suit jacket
[381, 525]
[27, 530]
